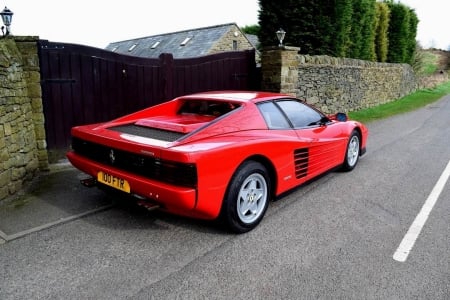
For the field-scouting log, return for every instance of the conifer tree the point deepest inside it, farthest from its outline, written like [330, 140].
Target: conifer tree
[364, 29]
[381, 36]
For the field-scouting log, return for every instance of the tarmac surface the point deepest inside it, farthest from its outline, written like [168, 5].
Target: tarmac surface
[51, 198]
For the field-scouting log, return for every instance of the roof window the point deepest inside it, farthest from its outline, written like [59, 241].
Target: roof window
[186, 40]
[132, 48]
[155, 45]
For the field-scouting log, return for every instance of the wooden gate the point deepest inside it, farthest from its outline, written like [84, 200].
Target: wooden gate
[82, 84]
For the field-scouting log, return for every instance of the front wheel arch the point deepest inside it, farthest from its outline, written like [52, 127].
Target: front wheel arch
[352, 151]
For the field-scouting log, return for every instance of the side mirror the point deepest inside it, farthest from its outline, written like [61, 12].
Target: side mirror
[341, 117]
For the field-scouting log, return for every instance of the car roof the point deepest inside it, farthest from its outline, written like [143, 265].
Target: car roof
[237, 96]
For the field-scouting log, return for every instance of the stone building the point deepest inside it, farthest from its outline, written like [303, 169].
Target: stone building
[189, 43]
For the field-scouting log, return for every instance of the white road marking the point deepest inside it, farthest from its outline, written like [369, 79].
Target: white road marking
[416, 227]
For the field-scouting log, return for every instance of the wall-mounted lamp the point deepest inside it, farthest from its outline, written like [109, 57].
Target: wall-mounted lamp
[280, 35]
[7, 19]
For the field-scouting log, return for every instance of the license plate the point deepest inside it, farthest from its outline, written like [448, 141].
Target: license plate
[113, 181]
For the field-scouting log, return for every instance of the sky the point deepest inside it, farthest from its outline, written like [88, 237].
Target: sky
[97, 23]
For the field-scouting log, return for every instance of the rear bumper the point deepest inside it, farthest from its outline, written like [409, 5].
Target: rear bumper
[179, 200]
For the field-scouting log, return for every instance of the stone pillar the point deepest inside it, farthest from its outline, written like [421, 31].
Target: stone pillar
[29, 50]
[279, 68]
[22, 152]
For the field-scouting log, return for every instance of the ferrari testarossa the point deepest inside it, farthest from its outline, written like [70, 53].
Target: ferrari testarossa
[217, 155]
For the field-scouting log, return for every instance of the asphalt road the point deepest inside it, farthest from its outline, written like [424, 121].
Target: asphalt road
[333, 238]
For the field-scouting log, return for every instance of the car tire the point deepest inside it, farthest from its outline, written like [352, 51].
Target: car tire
[352, 152]
[247, 197]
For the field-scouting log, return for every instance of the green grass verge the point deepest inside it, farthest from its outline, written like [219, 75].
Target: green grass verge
[402, 105]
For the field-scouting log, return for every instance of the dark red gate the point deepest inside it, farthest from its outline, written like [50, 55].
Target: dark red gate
[82, 85]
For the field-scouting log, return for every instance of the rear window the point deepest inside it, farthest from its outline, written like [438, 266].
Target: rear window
[207, 108]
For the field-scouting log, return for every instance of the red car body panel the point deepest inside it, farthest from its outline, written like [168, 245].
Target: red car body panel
[216, 145]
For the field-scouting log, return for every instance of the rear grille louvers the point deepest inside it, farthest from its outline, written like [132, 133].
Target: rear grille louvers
[154, 133]
[301, 157]
[162, 170]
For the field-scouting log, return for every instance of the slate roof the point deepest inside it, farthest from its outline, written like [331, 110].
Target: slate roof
[197, 42]
[253, 39]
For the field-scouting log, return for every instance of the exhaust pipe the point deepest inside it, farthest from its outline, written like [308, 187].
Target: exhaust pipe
[89, 182]
[141, 201]
[146, 203]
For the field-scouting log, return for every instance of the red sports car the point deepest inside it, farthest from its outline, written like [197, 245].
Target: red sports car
[221, 154]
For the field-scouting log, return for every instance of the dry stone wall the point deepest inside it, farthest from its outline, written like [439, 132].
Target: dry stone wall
[22, 135]
[337, 84]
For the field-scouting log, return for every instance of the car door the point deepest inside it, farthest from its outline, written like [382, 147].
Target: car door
[327, 138]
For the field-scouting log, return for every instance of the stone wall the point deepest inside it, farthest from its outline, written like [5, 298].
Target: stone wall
[432, 80]
[22, 135]
[337, 84]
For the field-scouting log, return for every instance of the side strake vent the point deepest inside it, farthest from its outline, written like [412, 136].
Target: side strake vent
[301, 162]
[153, 133]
